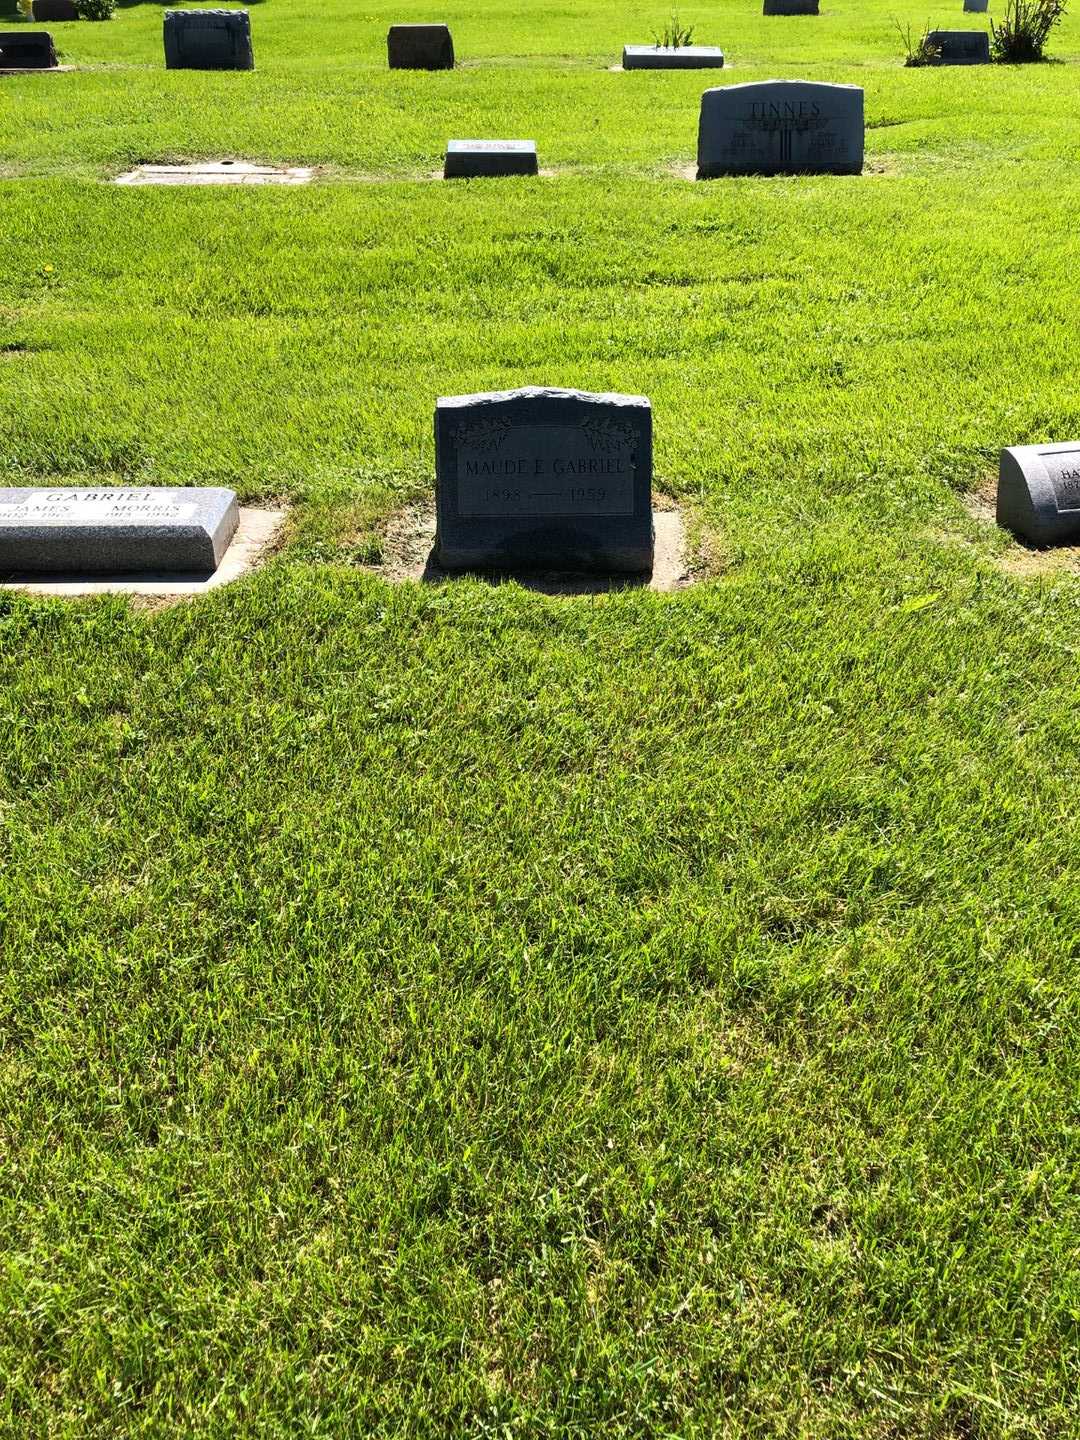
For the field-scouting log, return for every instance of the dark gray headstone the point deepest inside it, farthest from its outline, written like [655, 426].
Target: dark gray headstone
[781, 127]
[976, 7]
[27, 50]
[544, 480]
[54, 10]
[961, 47]
[473, 159]
[790, 7]
[419, 47]
[1038, 495]
[677, 57]
[208, 40]
[114, 531]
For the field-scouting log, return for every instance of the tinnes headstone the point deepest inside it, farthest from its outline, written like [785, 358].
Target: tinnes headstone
[65, 530]
[208, 40]
[1038, 495]
[475, 159]
[27, 50]
[781, 127]
[53, 10]
[544, 480]
[790, 7]
[419, 47]
[960, 47]
[675, 57]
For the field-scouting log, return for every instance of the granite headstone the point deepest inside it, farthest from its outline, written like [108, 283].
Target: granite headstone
[960, 47]
[976, 7]
[781, 127]
[27, 50]
[544, 480]
[1038, 495]
[53, 10]
[208, 40]
[114, 531]
[474, 159]
[419, 47]
[791, 7]
[674, 57]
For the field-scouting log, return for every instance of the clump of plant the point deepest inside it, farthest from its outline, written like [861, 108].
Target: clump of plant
[95, 9]
[923, 51]
[673, 35]
[1022, 35]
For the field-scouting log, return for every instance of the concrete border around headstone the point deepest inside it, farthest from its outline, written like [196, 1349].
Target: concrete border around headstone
[682, 57]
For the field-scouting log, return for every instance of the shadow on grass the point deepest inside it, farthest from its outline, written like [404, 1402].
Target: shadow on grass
[546, 582]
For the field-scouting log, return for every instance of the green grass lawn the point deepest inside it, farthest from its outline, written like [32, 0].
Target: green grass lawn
[462, 1012]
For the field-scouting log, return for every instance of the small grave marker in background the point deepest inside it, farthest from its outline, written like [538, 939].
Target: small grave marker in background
[677, 57]
[474, 159]
[790, 7]
[419, 47]
[57, 11]
[542, 479]
[72, 530]
[27, 50]
[781, 127]
[208, 40]
[976, 7]
[961, 47]
[1038, 495]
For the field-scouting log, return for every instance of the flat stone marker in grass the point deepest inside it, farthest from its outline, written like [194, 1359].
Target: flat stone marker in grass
[216, 172]
[27, 50]
[976, 7]
[419, 47]
[790, 7]
[961, 47]
[476, 159]
[72, 530]
[540, 479]
[675, 57]
[781, 127]
[208, 40]
[1038, 495]
[46, 11]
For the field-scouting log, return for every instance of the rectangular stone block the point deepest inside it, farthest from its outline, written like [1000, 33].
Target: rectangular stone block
[961, 47]
[539, 479]
[54, 10]
[72, 530]
[27, 50]
[781, 127]
[419, 47]
[474, 159]
[790, 7]
[1038, 496]
[976, 7]
[208, 40]
[678, 57]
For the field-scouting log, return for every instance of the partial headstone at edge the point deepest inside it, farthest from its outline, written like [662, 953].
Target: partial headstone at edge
[961, 47]
[76, 530]
[791, 7]
[27, 50]
[540, 479]
[781, 127]
[677, 57]
[1038, 495]
[208, 40]
[419, 47]
[478, 159]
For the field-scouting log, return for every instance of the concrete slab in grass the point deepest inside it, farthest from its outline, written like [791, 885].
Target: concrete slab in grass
[215, 172]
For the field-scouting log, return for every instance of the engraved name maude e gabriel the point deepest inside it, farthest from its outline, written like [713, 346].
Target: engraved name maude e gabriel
[545, 469]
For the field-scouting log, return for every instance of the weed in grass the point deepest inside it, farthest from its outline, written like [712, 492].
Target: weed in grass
[1022, 36]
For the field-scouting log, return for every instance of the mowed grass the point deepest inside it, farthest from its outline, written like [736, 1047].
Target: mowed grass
[457, 1011]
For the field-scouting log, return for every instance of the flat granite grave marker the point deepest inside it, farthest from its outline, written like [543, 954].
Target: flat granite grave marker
[791, 7]
[976, 7]
[781, 127]
[208, 40]
[960, 47]
[419, 47]
[72, 530]
[675, 57]
[54, 10]
[1038, 495]
[475, 159]
[27, 50]
[542, 479]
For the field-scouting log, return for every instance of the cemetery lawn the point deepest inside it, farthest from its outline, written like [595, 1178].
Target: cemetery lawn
[436, 1011]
